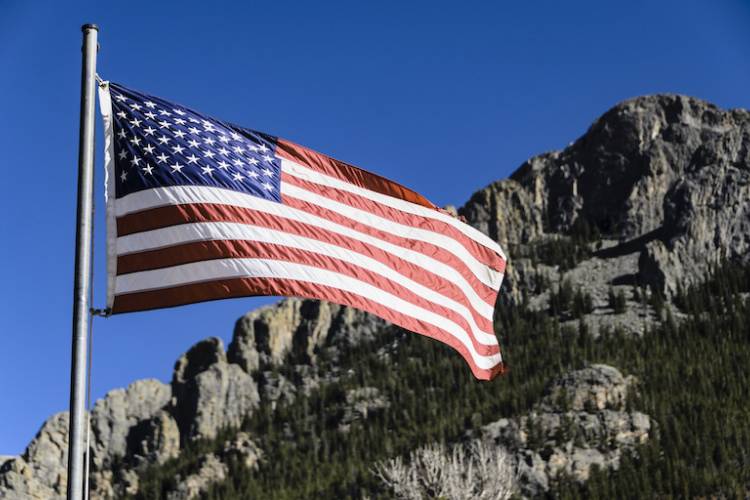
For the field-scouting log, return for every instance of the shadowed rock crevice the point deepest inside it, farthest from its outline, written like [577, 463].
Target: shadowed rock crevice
[632, 246]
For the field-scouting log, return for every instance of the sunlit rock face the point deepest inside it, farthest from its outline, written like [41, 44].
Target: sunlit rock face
[667, 177]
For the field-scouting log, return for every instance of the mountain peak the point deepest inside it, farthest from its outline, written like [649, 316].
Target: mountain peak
[665, 175]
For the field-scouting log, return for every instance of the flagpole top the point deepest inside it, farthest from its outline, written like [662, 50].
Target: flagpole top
[87, 27]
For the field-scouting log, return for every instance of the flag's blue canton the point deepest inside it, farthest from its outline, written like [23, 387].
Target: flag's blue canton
[158, 143]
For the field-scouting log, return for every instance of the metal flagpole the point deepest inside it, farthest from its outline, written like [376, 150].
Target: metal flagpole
[82, 285]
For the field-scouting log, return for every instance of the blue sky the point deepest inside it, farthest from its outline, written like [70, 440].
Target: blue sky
[444, 97]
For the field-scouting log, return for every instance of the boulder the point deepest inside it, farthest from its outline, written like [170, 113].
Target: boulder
[210, 393]
[594, 388]
[242, 449]
[362, 403]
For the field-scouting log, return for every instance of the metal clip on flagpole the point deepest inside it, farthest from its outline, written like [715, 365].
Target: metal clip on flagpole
[82, 284]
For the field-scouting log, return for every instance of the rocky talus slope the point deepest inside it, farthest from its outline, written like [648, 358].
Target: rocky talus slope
[604, 236]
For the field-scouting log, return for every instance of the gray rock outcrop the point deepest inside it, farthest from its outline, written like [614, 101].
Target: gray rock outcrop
[598, 387]
[144, 424]
[581, 422]
[155, 440]
[294, 330]
[114, 417]
[120, 431]
[210, 392]
[361, 403]
[666, 176]
[243, 449]
[212, 467]
[40, 472]
[211, 470]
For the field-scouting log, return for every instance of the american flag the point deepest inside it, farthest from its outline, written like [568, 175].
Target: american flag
[200, 209]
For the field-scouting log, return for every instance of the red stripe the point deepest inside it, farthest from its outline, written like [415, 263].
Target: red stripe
[206, 212]
[215, 213]
[201, 251]
[347, 173]
[480, 252]
[438, 253]
[221, 289]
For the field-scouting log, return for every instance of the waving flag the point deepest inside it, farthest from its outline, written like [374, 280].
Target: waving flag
[199, 209]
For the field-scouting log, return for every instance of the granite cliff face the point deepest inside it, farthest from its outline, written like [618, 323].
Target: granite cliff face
[663, 179]
[652, 195]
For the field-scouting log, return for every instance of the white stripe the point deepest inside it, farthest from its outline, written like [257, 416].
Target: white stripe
[483, 273]
[105, 106]
[212, 270]
[203, 231]
[302, 172]
[176, 195]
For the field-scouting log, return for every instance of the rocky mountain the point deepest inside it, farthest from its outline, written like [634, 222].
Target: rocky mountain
[629, 258]
[663, 178]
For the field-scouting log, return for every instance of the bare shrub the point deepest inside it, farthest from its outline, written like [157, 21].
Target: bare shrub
[477, 471]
